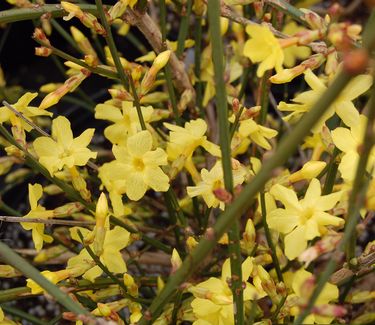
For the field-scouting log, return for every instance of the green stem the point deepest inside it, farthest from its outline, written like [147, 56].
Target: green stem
[99, 263]
[167, 68]
[13, 259]
[197, 63]
[100, 71]
[269, 238]
[222, 112]
[331, 173]
[286, 148]
[184, 27]
[116, 59]
[22, 315]
[19, 14]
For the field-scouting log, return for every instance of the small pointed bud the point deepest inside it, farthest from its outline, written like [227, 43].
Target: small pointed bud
[160, 284]
[309, 170]
[191, 243]
[137, 73]
[16, 176]
[52, 189]
[79, 184]
[175, 261]
[235, 105]
[224, 24]
[248, 236]
[314, 20]
[118, 9]
[101, 211]
[161, 60]
[199, 7]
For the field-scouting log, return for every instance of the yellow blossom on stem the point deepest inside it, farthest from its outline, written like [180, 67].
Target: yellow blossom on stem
[126, 120]
[139, 165]
[213, 302]
[348, 141]
[343, 105]
[22, 106]
[53, 277]
[263, 47]
[214, 180]
[114, 241]
[37, 211]
[62, 149]
[302, 286]
[302, 220]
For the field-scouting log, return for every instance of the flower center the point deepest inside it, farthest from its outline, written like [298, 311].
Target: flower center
[138, 164]
[307, 214]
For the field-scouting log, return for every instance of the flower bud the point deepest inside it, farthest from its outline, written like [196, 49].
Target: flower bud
[50, 87]
[329, 310]
[248, 237]
[17, 175]
[160, 284]
[314, 20]
[130, 285]
[118, 9]
[356, 61]
[101, 211]
[309, 170]
[68, 209]
[120, 94]
[83, 43]
[86, 19]
[175, 261]
[41, 37]
[103, 310]
[186, 98]
[49, 253]
[191, 243]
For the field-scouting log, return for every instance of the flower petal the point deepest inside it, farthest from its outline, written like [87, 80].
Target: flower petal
[135, 186]
[140, 143]
[62, 132]
[282, 220]
[295, 242]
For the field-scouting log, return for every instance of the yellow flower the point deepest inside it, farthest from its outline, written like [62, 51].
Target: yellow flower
[302, 220]
[292, 53]
[348, 141]
[257, 133]
[184, 140]
[213, 303]
[37, 211]
[139, 165]
[115, 240]
[263, 47]
[343, 105]
[126, 121]
[53, 277]
[213, 180]
[329, 293]
[62, 149]
[23, 107]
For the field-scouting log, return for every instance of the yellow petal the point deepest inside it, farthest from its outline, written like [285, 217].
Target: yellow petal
[343, 139]
[287, 196]
[295, 242]
[156, 179]
[61, 131]
[139, 143]
[135, 187]
[282, 220]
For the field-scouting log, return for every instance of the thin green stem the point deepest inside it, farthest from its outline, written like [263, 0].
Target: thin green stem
[99, 263]
[222, 112]
[125, 79]
[184, 27]
[290, 10]
[197, 63]
[331, 173]
[13, 259]
[270, 243]
[98, 70]
[286, 148]
[167, 68]
[22, 315]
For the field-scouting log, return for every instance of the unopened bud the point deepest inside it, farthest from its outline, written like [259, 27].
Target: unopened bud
[329, 310]
[79, 184]
[86, 19]
[186, 98]
[120, 94]
[130, 284]
[309, 170]
[224, 24]
[117, 10]
[104, 310]
[191, 243]
[49, 253]
[313, 19]
[235, 105]
[356, 61]
[101, 211]
[17, 175]
[175, 261]
[248, 237]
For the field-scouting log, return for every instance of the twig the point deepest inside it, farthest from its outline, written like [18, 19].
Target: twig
[46, 221]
